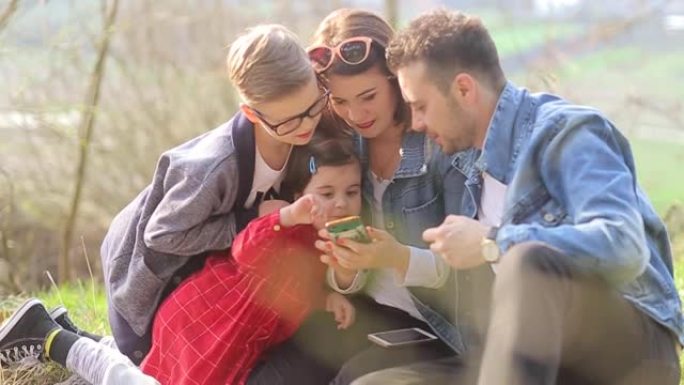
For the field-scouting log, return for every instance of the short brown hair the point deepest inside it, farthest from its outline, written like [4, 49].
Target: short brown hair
[268, 62]
[346, 23]
[448, 42]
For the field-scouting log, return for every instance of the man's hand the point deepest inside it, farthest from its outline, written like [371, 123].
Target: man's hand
[344, 311]
[458, 240]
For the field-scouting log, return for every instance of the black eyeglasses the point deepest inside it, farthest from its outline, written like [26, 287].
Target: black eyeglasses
[291, 124]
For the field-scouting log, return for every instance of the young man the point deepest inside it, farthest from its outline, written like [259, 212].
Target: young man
[583, 289]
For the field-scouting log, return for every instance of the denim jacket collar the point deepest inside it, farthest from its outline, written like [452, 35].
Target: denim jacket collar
[505, 134]
[415, 151]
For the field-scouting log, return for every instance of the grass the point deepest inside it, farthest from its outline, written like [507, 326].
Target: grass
[679, 280]
[651, 73]
[87, 306]
[659, 173]
[515, 38]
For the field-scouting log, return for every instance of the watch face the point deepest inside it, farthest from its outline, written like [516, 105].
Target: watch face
[490, 251]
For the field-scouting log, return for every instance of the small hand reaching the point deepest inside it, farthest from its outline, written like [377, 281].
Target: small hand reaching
[303, 211]
[342, 309]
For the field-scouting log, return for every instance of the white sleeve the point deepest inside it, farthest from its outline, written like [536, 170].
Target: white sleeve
[425, 269]
[357, 284]
[122, 374]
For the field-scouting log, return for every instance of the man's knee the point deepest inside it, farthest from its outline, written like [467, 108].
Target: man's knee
[347, 375]
[382, 377]
[532, 257]
[530, 269]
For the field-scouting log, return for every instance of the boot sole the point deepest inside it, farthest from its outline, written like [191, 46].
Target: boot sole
[11, 322]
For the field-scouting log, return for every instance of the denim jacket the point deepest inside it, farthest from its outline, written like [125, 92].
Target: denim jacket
[572, 185]
[414, 201]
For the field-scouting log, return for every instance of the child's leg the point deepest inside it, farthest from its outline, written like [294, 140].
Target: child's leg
[31, 332]
[101, 365]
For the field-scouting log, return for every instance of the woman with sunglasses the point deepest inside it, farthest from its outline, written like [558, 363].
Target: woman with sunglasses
[403, 189]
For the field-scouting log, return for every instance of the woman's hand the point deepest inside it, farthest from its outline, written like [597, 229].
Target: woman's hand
[303, 211]
[383, 251]
[344, 311]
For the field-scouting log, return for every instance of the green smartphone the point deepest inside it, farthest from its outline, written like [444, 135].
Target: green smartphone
[348, 227]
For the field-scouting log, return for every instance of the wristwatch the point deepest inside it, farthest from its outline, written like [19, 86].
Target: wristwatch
[490, 250]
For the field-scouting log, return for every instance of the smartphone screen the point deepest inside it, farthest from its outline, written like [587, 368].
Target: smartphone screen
[350, 228]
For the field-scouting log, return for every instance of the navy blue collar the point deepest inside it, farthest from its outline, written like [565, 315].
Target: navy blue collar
[245, 148]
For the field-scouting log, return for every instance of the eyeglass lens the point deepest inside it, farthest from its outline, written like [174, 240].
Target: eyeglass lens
[291, 125]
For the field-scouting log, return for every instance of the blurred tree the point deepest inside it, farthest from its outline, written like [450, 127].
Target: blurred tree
[392, 13]
[91, 104]
[12, 7]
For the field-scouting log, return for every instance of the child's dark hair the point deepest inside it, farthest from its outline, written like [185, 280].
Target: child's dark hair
[328, 147]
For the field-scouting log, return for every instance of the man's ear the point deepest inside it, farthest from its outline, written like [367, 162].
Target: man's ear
[249, 113]
[464, 88]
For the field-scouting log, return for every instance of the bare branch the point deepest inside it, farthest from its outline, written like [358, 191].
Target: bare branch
[91, 104]
[7, 13]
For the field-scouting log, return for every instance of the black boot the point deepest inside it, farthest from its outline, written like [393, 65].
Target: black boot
[61, 316]
[23, 334]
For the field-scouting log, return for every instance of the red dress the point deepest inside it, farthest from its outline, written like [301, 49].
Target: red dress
[212, 329]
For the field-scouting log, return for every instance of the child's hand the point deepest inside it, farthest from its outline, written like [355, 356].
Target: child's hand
[303, 211]
[343, 310]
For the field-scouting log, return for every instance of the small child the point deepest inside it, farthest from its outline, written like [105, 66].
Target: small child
[214, 326]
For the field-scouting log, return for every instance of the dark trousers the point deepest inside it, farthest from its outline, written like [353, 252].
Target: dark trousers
[552, 324]
[316, 353]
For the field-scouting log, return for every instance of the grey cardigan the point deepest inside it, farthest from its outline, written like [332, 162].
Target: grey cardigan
[193, 205]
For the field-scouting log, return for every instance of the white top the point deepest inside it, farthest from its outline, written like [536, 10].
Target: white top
[491, 207]
[266, 182]
[384, 284]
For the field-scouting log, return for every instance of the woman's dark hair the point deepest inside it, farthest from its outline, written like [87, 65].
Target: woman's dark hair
[330, 146]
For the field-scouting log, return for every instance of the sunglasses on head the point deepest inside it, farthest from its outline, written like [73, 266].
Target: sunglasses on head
[352, 51]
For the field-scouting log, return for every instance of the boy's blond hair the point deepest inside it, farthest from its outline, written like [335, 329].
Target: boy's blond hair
[268, 62]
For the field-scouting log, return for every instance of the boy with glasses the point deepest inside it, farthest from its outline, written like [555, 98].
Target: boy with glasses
[207, 189]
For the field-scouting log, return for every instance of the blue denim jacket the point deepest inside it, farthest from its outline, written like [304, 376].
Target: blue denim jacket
[571, 184]
[422, 192]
